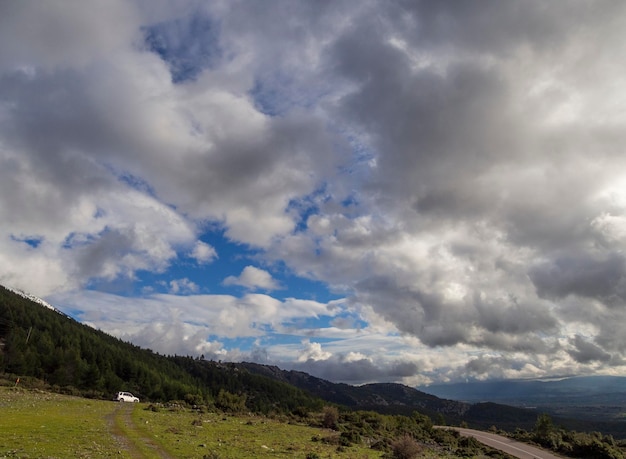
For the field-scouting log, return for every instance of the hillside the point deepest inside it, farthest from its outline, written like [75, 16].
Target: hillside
[38, 342]
[388, 398]
[392, 398]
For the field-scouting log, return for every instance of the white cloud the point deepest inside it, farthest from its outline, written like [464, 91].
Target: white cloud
[182, 286]
[253, 278]
[224, 316]
[456, 173]
[203, 252]
[313, 351]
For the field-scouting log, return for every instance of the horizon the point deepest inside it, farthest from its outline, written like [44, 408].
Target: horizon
[557, 379]
[394, 192]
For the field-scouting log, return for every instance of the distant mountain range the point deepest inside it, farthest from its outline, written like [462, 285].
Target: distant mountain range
[382, 397]
[535, 392]
[585, 397]
[400, 399]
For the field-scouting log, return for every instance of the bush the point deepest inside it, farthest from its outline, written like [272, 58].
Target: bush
[331, 417]
[468, 447]
[230, 403]
[405, 447]
[349, 437]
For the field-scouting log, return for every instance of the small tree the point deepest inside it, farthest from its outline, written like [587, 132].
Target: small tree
[546, 433]
[331, 417]
[543, 427]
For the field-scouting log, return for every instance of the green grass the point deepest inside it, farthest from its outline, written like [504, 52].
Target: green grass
[43, 424]
[186, 434]
[38, 424]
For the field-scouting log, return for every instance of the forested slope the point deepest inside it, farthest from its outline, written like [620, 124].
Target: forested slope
[38, 342]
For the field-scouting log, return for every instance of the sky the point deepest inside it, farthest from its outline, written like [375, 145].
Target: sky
[372, 191]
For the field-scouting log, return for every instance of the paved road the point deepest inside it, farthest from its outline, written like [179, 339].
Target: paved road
[512, 447]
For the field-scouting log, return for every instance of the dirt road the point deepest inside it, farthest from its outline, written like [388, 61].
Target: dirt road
[132, 440]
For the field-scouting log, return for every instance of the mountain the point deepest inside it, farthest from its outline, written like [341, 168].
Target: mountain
[482, 413]
[589, 397]
[33, 298]
[535, 391]
[388, 398]
[391, 398]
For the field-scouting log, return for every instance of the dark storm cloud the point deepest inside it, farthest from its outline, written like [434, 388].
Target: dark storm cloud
[586, 352]
[505, 325]
[513, 317]
[361, 371]
[495, 26]
[496, 367]
[583, 274]
[415, 312]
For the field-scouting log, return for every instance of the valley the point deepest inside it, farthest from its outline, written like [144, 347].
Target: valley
[590, 398]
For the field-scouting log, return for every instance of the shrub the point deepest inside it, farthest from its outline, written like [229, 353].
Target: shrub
[230, 403]
[468, 447]
[349, 437]
[331, 416]
[405, 447]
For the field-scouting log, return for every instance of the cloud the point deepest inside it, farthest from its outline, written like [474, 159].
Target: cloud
[253, 278]
[585, 352]
[350, 367]
[313, 351]
[203, 252]
[181, 286]
[52, 39]
[455, 174]
[223, 316]
[583, 274]
[474, 220]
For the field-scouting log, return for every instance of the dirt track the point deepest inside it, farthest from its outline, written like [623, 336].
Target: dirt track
[121, 424]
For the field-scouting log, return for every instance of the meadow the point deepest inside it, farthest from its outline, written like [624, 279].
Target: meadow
[40, 424]
[35, 423]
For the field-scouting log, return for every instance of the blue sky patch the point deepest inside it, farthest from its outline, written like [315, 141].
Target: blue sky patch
[32, 241]
[189, 45]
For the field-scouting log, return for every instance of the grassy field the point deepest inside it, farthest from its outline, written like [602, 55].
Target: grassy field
[190, 435]
[39, 424]
[45, 425]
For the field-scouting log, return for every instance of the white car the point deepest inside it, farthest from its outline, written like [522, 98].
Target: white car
[125, 397]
